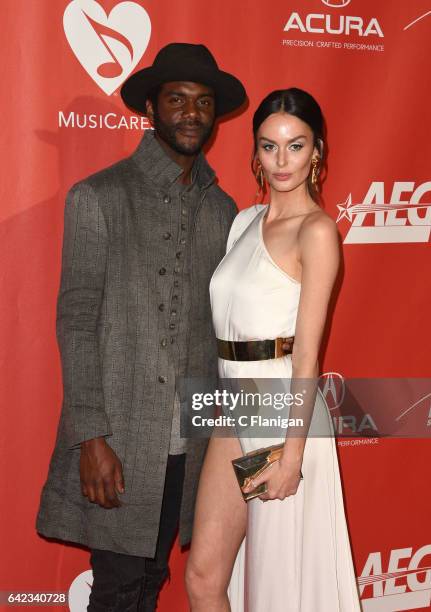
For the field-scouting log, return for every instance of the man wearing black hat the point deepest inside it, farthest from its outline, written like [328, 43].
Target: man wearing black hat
[141, 241]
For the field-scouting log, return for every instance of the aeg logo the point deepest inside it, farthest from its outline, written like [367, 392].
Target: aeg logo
[402, 219]
[108, 46]
[318, 23]
[408, 570]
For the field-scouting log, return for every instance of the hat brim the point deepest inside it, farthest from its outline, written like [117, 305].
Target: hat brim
[228, 90]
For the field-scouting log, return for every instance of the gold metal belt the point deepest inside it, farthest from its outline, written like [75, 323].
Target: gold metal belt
[254, 350]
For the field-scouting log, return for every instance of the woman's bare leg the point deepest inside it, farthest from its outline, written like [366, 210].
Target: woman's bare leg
[219, 528]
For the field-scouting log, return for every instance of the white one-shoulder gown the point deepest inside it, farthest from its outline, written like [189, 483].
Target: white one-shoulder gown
[296, 556]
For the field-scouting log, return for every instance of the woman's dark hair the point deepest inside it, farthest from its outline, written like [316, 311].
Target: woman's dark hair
[301, 104]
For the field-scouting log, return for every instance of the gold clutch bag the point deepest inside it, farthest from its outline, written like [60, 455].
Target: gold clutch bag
[253, 464]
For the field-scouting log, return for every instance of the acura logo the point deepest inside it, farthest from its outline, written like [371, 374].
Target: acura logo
[333, 389]
[336, 3]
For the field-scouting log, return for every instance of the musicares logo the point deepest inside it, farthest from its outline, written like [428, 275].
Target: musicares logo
[108, 46]
[79, 591]
[374, 220]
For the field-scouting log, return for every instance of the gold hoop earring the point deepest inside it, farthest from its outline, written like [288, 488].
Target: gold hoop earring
[315, 162]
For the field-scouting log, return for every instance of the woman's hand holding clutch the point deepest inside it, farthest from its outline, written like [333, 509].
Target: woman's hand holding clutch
[282, 480]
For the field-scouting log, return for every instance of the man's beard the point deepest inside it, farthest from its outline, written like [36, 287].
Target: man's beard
[168, 133]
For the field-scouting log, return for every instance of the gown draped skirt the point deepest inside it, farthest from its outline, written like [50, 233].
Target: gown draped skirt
[296, 555]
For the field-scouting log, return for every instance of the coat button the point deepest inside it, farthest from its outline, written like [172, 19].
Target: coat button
[166, 199]
[161, 307]
[162, 271]
[177, 270]
[175, 297]
[167, 235]
[184, 226]
[173, 313]
[184, 211]
[162, 379]
[176, 283]
[172, 326]
[178, 255]
[163, 342]
[183, 197]
[182, 241]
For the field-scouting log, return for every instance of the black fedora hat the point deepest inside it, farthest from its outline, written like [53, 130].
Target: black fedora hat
[184, 62]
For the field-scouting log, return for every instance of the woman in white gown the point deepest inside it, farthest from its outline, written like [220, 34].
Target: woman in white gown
[287, 550]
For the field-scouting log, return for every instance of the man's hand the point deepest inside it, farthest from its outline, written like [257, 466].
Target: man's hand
[101, 473]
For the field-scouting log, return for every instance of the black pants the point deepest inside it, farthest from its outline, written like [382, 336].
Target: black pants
[126, 583]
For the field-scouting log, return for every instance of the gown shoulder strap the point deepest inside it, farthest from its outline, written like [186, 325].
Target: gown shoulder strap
[241, 223]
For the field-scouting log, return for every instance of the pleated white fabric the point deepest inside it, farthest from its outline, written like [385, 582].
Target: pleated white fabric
[296, 556]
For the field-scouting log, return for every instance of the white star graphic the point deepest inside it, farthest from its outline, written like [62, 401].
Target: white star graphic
[344, 209]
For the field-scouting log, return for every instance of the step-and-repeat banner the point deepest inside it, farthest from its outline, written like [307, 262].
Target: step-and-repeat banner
[367, 64]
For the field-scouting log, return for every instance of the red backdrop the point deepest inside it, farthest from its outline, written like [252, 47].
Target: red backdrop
[366, 63]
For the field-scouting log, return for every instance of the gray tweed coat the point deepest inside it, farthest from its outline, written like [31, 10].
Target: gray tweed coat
[118, 380]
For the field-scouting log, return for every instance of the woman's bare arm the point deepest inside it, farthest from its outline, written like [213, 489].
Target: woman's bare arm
[319, 254]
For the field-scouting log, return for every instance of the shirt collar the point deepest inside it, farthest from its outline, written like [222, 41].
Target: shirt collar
[162, 170]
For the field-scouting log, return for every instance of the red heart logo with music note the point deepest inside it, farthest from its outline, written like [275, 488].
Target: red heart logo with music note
[107, 46]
